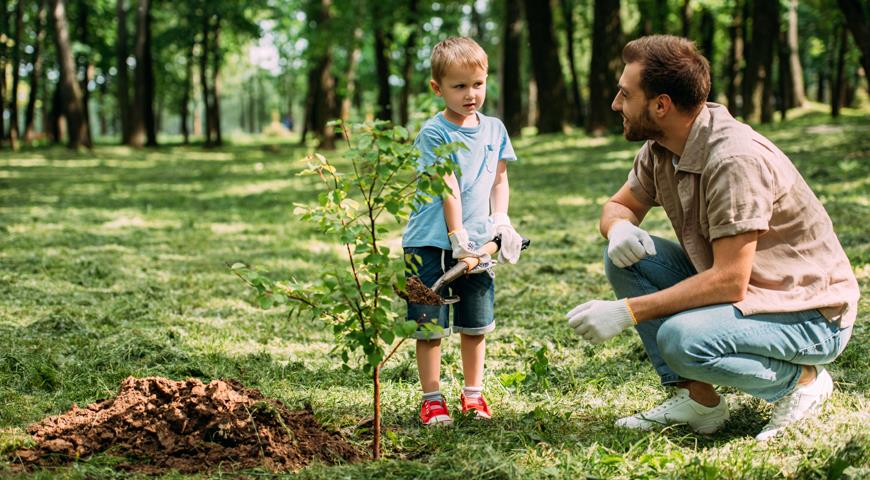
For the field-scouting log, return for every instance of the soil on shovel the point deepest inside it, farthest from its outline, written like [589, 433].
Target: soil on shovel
[158, 425]
[419, 293]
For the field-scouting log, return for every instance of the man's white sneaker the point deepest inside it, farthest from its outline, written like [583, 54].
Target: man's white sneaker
[802, 402]
[680, 409]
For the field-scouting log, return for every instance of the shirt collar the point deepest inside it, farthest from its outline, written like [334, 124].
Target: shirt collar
[695, 152]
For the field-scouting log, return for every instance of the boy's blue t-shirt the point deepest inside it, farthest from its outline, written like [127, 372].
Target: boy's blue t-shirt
[487, 143]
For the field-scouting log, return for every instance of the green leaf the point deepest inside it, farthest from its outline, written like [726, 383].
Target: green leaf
[400, 132]
[265, 300]
[406, 328]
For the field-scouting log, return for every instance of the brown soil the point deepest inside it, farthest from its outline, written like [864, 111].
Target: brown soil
[419, 293]
[159, 425]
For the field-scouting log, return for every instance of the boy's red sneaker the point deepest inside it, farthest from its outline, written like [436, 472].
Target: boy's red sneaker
[434, 412]
[481, 409]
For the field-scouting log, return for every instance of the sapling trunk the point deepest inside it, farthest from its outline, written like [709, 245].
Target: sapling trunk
[376, 441]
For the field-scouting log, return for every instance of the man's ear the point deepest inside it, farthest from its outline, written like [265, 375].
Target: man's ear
[436, 89]
[663, 105]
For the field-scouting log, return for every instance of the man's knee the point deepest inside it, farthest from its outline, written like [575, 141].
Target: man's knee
[682, 345]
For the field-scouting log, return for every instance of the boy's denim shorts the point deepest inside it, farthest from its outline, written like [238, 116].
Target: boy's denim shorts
[472, 315]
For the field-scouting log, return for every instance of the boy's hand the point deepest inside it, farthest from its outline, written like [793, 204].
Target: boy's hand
[628, 244]
[511, 241]
[462, 246]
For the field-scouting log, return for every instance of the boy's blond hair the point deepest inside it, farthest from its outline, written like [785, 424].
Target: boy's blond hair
[457, 51]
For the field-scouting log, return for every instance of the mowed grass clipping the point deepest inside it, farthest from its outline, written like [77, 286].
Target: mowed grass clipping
[115, 262]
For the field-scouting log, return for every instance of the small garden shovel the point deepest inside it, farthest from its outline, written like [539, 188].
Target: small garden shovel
[467, 264]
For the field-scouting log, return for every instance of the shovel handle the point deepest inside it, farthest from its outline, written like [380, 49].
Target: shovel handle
[488, 248]
[467, 264]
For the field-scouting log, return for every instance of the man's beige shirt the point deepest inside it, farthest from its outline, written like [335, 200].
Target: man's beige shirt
[732, 180]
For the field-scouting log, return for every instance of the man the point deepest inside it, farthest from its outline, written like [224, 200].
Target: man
[759, 291]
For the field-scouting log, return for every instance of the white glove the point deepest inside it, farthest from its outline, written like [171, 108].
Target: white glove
[628, 244]
[461, 245]
[463, 248]
[600, 320]
[511, 241]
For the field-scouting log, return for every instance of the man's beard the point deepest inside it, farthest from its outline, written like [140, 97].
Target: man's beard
[644, 128]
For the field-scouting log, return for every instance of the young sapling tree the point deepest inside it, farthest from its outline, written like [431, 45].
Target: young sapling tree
[380, 181]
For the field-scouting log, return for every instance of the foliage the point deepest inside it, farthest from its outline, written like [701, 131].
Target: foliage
[383, 181]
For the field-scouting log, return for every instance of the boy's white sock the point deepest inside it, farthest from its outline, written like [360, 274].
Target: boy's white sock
[472, 392]
[434, 396]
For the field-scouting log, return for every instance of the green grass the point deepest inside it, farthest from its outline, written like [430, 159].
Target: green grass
[115, 263]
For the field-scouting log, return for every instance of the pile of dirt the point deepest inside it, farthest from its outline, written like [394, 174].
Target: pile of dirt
[417, 292]
[159, 424]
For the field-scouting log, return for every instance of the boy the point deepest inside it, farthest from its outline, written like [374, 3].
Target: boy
[447, 229]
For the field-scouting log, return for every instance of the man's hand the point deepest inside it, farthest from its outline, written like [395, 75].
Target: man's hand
[511, 241]
[600, 320]
[628, 244]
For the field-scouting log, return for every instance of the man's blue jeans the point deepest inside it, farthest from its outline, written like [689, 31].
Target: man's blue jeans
[759, 354]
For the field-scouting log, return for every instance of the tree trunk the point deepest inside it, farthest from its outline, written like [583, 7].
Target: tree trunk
[857, 13]
[70, 94]
[546, 67]
[289, 100]
[837, 88]
[4, 27]
[735, 59]
[578, 117]
[708, 33]
[820, 86]
[313, 91]
[768, 107]
[14, 133]
[350, 75]
[253, 99]
[477, 23]
[532, 105]
[138, 125]
[799, 96]
[217, 135]
[382, 60]
[151, 119]
[410, 57]
[511, 105]
[56, 124]
[653, 17]
[85, 61]
[758, 76]
[184, 111]
[686, 16]
[786, 90]
[123, 87]
[606, 43]
[324, 102]
[203, 79]
[35, 76]
[101, 110]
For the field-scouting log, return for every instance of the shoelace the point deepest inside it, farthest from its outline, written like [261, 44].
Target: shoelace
[431, 405]
[781, 410]
[664, 406]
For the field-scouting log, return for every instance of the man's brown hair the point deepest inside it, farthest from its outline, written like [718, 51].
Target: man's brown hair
[457, 51]
[673, 66]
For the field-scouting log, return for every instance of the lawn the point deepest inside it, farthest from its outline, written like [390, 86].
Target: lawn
[115, 262]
